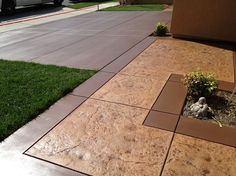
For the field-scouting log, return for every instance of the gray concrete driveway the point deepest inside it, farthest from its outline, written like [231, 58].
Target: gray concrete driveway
[88, 41]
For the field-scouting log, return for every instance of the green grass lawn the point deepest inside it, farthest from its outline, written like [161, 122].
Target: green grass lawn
[27, 89]
[82, 5]
[87, 4]
[141, 7]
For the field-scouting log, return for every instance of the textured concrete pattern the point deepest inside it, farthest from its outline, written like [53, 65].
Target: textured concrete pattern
[131, 90]
[101, 138]
[106, 135]
[191, 156]
[180, 56]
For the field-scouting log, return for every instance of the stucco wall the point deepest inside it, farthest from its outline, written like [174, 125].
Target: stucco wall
[209, 19]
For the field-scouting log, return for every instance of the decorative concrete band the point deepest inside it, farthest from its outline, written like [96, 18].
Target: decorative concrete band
[207, 131]
[161, 120]
[171, 98]
[127, 57]
[166, 114]
[93, 84]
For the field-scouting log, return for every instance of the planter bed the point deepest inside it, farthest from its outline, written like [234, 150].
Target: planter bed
[166, 114]
[223, 107]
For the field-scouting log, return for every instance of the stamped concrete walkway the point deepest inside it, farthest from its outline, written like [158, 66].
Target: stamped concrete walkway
[105, 135]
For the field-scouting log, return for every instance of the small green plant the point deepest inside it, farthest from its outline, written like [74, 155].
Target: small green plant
[161, 29]
[200, 84]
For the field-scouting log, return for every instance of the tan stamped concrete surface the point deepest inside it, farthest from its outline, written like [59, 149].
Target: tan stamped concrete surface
[105, 135]
[178, 56]
[132, 90]
[191, 156]
[101, 138]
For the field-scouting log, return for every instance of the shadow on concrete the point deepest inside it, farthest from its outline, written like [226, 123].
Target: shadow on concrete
[28, 11]
[215, 43]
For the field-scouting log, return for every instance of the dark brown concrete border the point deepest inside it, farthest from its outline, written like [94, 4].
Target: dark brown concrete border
[172, 98]
[176, 78]
[207, 131]
[93, 84]
[226, 86]
[127, 57]
[161, 120]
